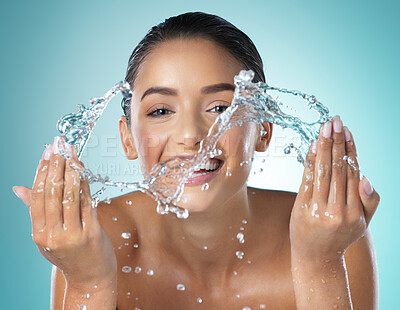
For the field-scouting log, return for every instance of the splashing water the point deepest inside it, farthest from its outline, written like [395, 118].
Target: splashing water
[165, 182]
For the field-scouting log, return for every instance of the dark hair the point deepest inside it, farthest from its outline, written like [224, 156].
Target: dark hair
[195, 25]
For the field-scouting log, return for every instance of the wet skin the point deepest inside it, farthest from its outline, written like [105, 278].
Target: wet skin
[284, 239]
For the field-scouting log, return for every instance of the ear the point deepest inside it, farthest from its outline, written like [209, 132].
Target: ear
[264, 137]
[127, 139]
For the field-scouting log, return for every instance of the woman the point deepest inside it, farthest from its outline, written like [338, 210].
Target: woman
[241, 247]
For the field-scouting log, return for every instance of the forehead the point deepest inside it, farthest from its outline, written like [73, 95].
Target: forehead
[186, 63]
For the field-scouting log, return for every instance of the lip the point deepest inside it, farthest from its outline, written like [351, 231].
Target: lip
[201, 179]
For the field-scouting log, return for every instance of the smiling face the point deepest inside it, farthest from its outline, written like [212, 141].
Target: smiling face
[181, 88]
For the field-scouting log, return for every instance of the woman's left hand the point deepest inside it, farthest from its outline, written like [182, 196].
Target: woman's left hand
[333, 207]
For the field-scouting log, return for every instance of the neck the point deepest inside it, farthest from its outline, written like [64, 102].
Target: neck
[206, 242]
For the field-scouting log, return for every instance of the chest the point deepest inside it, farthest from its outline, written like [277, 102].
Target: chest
[147, 285]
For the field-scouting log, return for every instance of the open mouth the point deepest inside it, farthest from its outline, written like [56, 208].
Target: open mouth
[205, 172]
[209, 166]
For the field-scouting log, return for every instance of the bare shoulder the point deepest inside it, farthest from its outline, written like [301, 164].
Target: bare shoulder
[265, 201]
[123, 213]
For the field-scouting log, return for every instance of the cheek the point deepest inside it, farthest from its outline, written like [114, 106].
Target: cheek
[149, 146]
[239, 142]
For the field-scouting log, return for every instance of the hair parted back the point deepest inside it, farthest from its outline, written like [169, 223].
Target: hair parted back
[195, 25]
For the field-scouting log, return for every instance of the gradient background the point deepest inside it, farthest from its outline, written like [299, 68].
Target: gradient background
[57, 54]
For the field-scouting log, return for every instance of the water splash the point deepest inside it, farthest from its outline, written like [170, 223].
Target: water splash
[165, 182]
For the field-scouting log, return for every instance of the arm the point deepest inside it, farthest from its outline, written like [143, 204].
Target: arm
[102, 295]
[331, 214]
[67, 233]
[363, 273]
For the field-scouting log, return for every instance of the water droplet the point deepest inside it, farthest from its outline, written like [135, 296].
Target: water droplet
[240, 237]
[314, 209]
[82, 307]
[262, 306]
[114, 219]
[135, 245]
[128, 294]
[86, 295]
[199, 300]
[129, 203]
[126, 235]
[311, 290]
[180, 287]
[205, 187]
[237, 296]
[126, 269]
[138, 270]
[239, 254]
[95, 286]
[241, 228]
[235, 273]
[205, 247]
[246, 308]
[245, 162]
[244, 222]
[150, 272]
[107, 201]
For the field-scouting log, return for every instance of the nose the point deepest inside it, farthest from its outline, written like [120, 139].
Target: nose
[190, 131]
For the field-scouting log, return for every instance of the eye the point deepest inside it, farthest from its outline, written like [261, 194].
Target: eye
[219, 108]
[159, 112]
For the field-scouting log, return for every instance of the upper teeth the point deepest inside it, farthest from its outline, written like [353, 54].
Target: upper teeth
[207, 166]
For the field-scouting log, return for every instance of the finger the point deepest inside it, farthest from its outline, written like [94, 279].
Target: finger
[306, 187]
[323, 164]
[353, 172]
[369, 197]
[87, 211]
[337, 192]
[71, 202]
[37, 199]
[54, 188]
[23, 193]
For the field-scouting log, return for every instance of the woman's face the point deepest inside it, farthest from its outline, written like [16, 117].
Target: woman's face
[173, 107]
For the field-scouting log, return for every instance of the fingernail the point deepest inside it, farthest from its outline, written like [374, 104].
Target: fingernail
[368, 189]
[15, 191]
[314, 147]
[347, 134]
[337, 124]
[47, 152]
[327, 130]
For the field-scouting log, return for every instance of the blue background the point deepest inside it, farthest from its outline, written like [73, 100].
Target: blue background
[57, 54]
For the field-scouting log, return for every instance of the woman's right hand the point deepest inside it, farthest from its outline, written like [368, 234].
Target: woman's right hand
[65, 227]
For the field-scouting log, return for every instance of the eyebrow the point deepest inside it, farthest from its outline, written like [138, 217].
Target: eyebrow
[210, 89]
